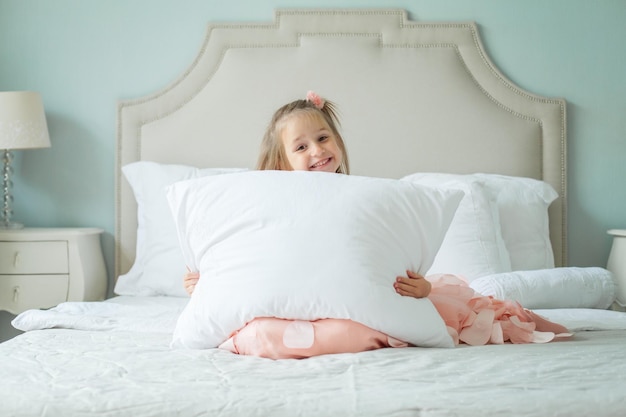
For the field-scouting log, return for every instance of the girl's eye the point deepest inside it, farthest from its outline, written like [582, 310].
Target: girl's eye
[300, 148]
[323, 138]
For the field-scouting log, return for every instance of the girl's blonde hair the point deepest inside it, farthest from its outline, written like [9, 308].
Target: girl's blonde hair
[272, 155]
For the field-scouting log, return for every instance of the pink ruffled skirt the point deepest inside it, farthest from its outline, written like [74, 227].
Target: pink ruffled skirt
[476, 319]
[470, 318]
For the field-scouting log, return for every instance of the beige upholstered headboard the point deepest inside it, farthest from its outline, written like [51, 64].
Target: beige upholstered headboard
[413, 96]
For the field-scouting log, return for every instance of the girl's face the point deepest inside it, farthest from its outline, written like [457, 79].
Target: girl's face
[310, 144]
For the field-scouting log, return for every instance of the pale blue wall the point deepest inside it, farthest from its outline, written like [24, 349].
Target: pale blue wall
[84, 55]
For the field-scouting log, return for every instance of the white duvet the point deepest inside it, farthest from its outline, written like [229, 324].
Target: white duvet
[120, 364]
[141, 314]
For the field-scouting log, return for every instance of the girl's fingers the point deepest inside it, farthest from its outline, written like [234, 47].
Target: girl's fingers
[191, 281]
[192, 275]
[403, 286]
[190, 289]
[412, 282]
[413, 275]
[404, 290]
[415, 287]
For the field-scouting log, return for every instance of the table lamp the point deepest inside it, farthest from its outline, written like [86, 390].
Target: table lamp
[22, 126]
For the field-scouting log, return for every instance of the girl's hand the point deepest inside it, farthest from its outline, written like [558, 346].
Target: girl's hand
[190, 280]
[414, 286]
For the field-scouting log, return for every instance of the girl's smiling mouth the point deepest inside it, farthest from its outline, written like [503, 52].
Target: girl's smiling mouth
[321, 164]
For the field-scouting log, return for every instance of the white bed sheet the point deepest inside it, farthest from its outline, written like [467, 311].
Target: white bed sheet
[127, 368]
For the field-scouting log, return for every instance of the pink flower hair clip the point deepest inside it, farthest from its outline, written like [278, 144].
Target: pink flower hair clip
[315, 99]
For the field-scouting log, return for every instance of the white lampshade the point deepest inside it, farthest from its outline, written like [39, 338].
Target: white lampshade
[22, 126]
[22, 121]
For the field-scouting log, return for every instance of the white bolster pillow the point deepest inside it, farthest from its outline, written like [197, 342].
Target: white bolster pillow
[569, 287]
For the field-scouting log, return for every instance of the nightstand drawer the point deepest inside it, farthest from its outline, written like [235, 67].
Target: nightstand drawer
[42, 267]
[37, 257]
[23, 292]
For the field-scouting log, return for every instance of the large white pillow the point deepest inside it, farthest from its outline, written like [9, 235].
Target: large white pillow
[308, 245]
[473, 246]
[159, 265]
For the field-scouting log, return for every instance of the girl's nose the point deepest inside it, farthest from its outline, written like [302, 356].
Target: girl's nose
[317, 149]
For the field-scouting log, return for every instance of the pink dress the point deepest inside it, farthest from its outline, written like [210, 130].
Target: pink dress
[470, 318]
[476, 319]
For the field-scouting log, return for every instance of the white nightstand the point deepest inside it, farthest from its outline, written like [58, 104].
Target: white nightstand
[617, 265]
[40, 268]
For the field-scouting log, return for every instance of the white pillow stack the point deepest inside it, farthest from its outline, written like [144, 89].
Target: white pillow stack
[523, 207]
[473, 246]
[502, 224]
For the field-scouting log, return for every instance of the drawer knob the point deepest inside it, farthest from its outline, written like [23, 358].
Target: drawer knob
[16, 259]
[16, 293]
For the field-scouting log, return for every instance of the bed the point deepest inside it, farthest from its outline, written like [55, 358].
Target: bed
[419, 101]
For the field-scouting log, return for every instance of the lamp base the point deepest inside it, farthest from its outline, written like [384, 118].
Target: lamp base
[11, 226]
[7, 212]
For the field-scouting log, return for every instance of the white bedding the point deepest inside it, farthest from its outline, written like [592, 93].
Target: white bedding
[125, 367]
[123, 313]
